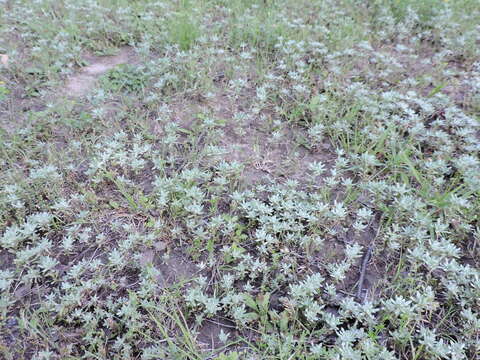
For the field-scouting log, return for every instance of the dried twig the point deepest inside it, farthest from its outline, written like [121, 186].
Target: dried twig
[363, 269]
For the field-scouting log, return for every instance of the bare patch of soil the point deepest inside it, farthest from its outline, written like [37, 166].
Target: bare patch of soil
[173, 268]
[82, 82]
[209, 332]
[248, 139]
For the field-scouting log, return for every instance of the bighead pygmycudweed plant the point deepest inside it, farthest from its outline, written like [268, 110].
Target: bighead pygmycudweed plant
[240, 179]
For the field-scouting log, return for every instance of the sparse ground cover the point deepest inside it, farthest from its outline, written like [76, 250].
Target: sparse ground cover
[241, 179]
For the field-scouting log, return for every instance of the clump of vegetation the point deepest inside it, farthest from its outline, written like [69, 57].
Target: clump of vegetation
[255, 180]
[125, 77]
[183, 31]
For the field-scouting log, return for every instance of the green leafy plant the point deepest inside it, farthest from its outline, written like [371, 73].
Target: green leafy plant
[4, 91]
[125, 77]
